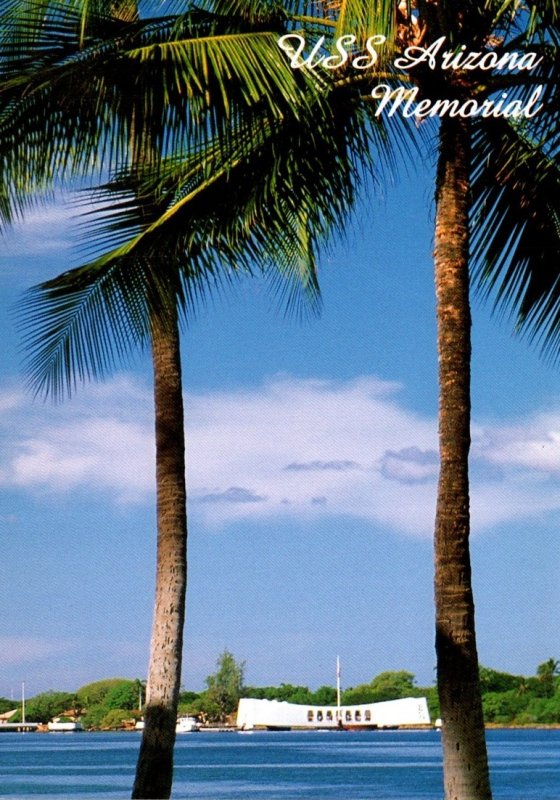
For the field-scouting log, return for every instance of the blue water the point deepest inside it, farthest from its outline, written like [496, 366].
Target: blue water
[525, 765]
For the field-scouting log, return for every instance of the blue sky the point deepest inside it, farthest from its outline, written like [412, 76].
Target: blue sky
[311, 472]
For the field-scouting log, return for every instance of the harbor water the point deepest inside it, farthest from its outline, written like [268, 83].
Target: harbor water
[404, 765]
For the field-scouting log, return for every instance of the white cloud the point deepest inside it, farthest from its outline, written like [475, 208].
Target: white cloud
[532, 443]
[101, 440]
[410, 465]
[289, 447]
[16, 650]
[98, 452]
[50, 233]
[303, 447]
[39, 231]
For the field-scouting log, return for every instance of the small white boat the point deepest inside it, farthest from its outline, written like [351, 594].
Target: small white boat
[184, 725]
[58, 726]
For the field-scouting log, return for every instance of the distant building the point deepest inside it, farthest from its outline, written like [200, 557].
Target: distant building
[6, 716]
[280, 715]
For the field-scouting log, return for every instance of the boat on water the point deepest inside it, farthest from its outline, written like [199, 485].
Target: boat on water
[58, 725]
[184, 725]
[187, 725]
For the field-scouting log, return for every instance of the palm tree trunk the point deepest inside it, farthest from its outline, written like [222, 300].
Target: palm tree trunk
[154, 771]
[464, 746]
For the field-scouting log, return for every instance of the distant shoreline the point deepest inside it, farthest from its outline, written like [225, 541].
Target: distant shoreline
[534, 726]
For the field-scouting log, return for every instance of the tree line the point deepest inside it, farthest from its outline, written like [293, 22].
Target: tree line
[113, 703]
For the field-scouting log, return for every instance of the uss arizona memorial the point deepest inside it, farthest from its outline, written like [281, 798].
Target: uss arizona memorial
[279, 715]
[407, 712]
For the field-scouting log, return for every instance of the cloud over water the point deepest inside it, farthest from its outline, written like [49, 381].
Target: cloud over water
[286, 447]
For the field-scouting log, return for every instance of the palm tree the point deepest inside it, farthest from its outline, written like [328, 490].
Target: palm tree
[493, 175]
[466, 766]
[82, 321]
[489, 170]
[546, 674]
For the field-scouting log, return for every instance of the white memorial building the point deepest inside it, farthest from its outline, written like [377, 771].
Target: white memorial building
[279, 715]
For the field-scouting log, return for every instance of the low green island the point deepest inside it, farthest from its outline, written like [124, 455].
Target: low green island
[116, 703]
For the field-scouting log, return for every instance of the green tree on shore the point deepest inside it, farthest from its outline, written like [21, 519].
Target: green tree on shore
[385, 686]
[225, 686]
[6, 705]
[46, 705]
[93, 694]
[547, 674]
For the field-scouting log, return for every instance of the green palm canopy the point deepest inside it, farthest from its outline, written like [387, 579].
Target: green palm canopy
[251, 163]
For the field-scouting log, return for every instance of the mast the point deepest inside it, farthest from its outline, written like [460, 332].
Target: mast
[23, 702]
[338, 688]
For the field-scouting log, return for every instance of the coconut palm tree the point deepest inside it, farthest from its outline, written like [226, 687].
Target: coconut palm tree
[547, 673]
[489, 170]
[99, 291]
[182, 157]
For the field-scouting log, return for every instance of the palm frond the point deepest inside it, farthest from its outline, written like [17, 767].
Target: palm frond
[253, 13]
[69, 104]
[221, 71]
[516, 228]
[258, 164]
[264, 202]
[270, 172]
[365, 19]
[532, 18]
[79, 326]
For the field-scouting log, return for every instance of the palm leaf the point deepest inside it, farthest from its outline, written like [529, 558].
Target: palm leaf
[266, 202]
[365, 19]
[516, 224]
[538, 16]
[220, 70]
[67, 103]
[78, 326]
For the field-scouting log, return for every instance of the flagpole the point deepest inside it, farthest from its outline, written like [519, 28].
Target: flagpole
[338, 688]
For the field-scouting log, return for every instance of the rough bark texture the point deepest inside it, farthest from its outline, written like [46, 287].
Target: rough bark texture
[464, 746]
[154, 771]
